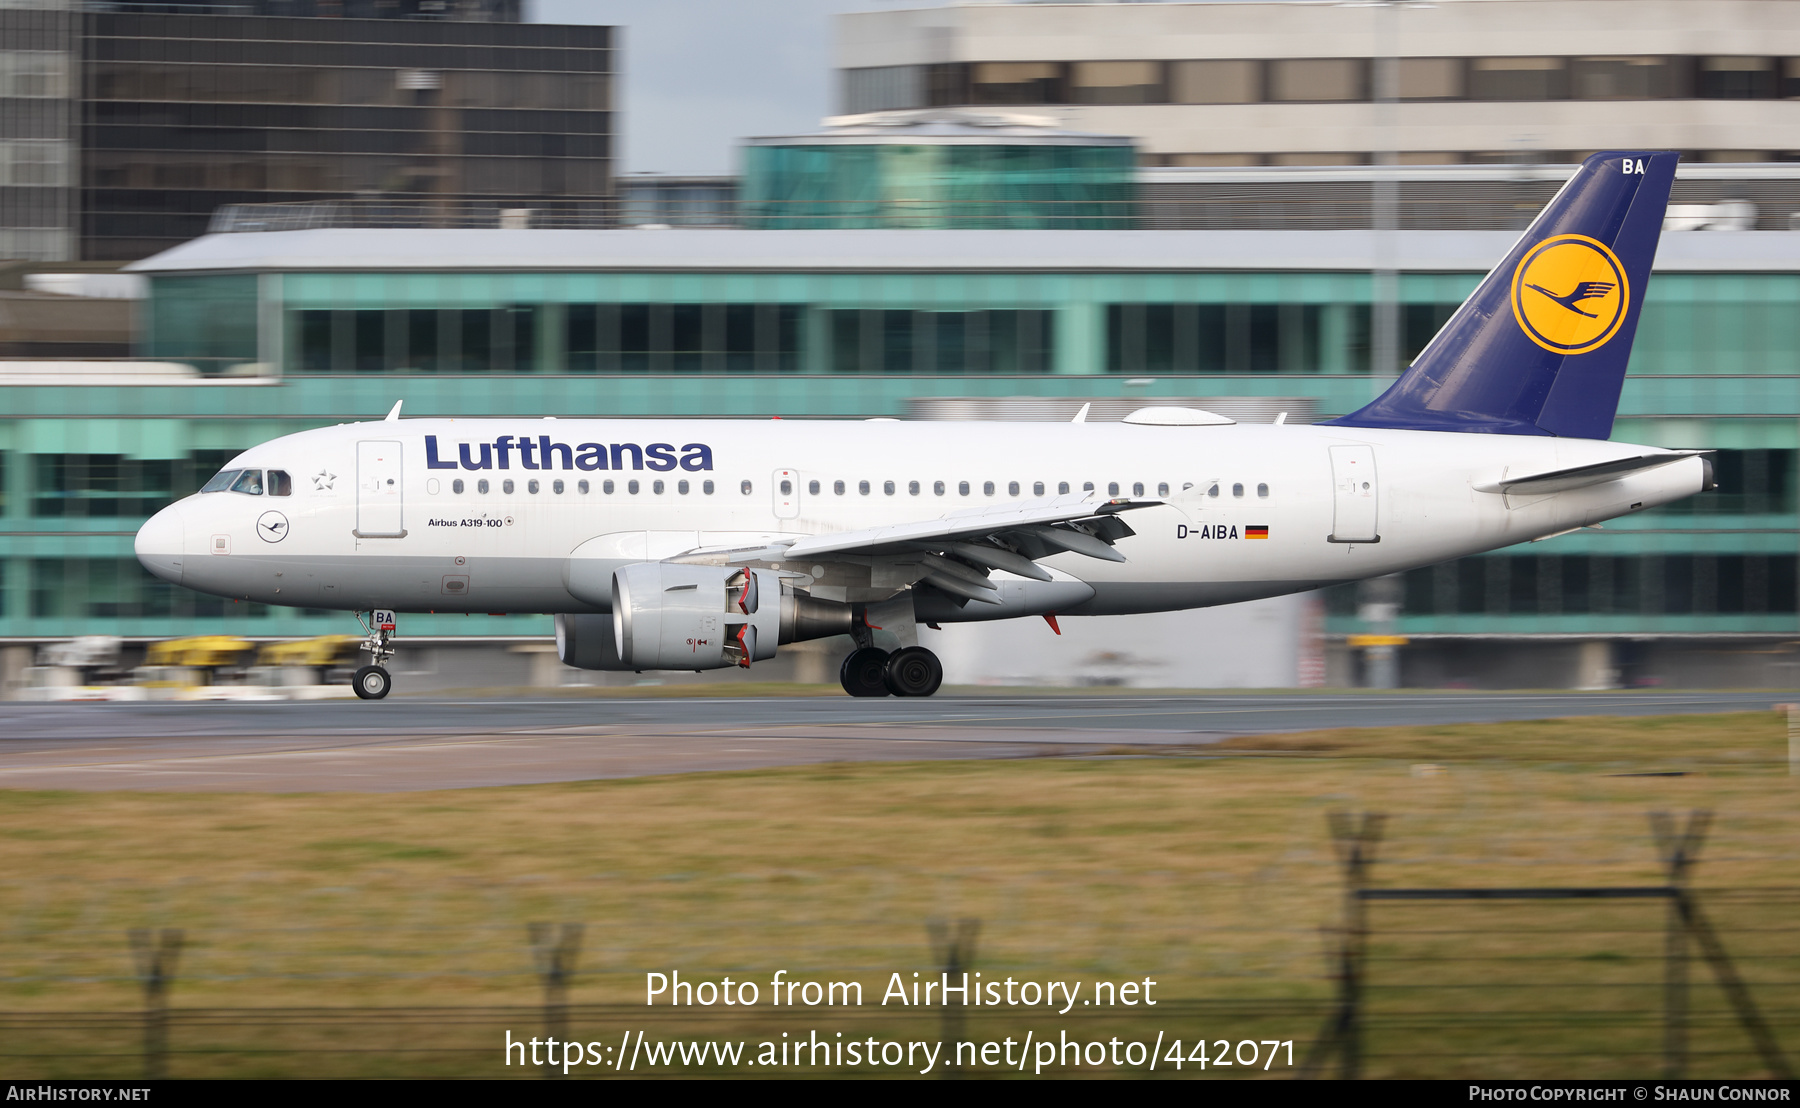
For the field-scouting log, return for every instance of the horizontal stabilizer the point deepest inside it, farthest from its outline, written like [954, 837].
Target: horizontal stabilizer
[1562, 480]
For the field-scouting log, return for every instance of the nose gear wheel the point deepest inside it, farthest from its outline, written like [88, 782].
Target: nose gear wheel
[372, 683]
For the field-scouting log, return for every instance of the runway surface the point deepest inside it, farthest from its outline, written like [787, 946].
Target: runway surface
[407, 743]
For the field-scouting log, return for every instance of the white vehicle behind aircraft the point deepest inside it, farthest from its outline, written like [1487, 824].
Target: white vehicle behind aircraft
[703, 544]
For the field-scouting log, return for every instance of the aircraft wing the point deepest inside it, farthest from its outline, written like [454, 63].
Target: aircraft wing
[956, 551]
[1562, 480]
[1077, 513]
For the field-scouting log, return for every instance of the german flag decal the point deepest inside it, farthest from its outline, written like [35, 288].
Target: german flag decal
[1255, 532]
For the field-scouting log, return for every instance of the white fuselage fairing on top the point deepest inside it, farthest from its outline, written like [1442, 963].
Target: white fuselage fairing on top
[369, 524]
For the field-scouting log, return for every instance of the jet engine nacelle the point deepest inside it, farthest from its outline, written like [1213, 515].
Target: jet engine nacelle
[671, 616]
[586, 642]
[780, 614]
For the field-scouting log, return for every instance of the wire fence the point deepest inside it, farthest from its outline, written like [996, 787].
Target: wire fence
[1538, 978]
[1508, 981]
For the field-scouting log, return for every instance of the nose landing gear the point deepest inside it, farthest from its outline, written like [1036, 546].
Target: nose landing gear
[372, 681]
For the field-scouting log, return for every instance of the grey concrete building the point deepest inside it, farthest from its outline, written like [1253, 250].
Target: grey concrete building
[1285, 83]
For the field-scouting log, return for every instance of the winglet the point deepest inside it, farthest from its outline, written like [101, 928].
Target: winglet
[1081, 416]
[393, 415]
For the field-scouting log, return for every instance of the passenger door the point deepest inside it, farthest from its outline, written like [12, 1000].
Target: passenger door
[379, 482]
[1354, 494]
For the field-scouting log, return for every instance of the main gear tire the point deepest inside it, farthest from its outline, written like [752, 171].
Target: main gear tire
[865, 672]
[372, 683]
[913, 671]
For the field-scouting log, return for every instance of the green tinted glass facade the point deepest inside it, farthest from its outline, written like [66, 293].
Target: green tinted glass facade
[1059, 186]
[1694, 326]
[208, 321]
[1716, 365]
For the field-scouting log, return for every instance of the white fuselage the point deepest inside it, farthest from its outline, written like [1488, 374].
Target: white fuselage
[370, 523]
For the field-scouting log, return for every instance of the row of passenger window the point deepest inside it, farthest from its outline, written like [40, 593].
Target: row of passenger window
[1013, 488]
[583, 487]
[888, 488]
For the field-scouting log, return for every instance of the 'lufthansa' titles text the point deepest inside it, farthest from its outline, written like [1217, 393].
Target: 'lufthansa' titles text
[541, 453]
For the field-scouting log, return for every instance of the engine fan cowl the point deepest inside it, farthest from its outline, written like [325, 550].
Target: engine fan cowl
[673, 616]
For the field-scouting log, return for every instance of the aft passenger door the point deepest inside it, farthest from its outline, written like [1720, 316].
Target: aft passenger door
[785, 487]
[1355, 491]
[379, 483]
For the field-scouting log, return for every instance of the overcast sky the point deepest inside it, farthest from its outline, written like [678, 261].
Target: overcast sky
[697, 75]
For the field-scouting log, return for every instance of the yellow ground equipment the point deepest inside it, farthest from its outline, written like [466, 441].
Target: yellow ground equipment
[321, 652]
[201, 651]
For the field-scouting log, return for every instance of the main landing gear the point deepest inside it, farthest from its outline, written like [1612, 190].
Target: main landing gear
[372, 681]
[909, 671]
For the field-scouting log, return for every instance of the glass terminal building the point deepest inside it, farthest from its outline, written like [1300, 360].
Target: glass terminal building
[941, 169]
[253, 335]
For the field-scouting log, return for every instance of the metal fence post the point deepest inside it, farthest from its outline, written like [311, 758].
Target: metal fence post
[954, 949]
[554, 949]
[154, 953]
[1355, 840]
[1679, 850]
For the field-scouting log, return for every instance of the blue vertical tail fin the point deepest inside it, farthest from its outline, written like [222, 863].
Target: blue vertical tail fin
[1541, 346]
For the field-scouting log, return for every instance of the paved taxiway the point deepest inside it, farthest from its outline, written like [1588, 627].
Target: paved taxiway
[409, 743]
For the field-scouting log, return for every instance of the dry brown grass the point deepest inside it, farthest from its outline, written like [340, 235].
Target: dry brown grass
[1211, 873]
[1698, 743]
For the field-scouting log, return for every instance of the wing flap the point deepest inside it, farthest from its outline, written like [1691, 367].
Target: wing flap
[973, 524]
[954, 553]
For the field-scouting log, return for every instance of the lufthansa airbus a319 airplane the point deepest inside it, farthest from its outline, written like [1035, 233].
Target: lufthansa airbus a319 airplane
[702, 544]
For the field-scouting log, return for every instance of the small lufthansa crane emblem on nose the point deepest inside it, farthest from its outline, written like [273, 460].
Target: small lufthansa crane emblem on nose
[271, 527]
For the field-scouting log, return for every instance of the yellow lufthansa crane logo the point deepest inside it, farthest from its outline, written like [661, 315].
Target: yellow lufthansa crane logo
[1569, 294]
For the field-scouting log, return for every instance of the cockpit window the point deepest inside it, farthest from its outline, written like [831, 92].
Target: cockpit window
[249, 483]
[280, 484]
[221, 480]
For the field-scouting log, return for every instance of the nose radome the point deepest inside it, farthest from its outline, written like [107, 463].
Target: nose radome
[159, 544]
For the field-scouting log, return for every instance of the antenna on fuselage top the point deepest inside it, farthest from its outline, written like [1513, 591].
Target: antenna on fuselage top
[1081, 416]
[393, 415]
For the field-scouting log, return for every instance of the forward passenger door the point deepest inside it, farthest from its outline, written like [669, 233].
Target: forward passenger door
[379, 484]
